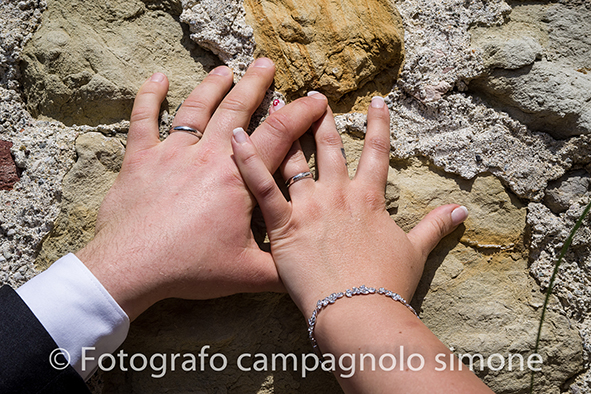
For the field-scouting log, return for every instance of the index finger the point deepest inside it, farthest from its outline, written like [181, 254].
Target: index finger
[275, 136]
[238, 106]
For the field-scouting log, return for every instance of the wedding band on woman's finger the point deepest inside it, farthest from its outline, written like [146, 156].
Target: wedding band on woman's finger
[298, 177]
[187, 129]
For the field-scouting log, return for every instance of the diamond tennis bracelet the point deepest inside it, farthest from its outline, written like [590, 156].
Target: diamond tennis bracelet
[361, 290]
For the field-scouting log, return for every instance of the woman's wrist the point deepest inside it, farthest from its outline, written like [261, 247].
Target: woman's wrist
[378, 342]
[361, 291]
[347, 325]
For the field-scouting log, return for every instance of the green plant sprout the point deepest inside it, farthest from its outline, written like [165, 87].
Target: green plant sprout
[551, 284]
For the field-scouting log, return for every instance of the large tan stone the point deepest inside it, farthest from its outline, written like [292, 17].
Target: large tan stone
[496, 219]
[333, 47]
[86, 62]
[84, 187]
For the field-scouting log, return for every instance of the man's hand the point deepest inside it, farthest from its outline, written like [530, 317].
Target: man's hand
[176, 223]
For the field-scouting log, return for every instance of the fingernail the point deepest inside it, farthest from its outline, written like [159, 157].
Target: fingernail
[377, 102]
[239, 135]
[315, 94]
[157, 77]
[263, 62]
[459, 214]
[278, 103]
[221, 70]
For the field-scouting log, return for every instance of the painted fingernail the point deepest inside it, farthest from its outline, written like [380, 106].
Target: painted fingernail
[221, 70]
[459, 214]
[157, 77]
[278, 103]
[315, 94]
[239, 135]
[263, 62]
[377, 102]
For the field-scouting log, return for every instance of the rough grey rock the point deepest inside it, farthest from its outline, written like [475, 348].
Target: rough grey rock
[88, 59]
[511, 54]
[459, 133]
[569, 41]
[563, 192]
[463, 136]
[572, 285]
[44, 153]
[19, 20]
[545, 96]
[221, 27]
[548, 234]
[540, 78]
[437, 42]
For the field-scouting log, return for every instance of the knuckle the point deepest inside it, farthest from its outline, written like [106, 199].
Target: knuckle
[150, 89]
[310, 107]
[197, 105]
[314, 104]
[141, 114]
[234, 104]
[277, 124]
[257, 73]
[316, 211]
[249, 157]
[330, 139]
[374, 201]
[169, 155]
[339, 199]
[380, 145]
[266, 188]
[205, 155]
[440, 226]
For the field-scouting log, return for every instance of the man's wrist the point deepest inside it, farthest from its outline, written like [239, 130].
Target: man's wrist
[123, 280]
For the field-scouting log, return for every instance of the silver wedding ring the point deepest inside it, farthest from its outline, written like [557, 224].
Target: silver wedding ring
[298, 177]
[187, 129]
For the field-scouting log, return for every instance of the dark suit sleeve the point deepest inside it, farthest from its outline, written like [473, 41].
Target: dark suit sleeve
[25, 348]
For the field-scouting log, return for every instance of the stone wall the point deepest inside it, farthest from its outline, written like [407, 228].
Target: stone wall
[490, 108]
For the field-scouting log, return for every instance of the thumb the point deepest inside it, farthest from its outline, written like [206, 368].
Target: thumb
[437, 224]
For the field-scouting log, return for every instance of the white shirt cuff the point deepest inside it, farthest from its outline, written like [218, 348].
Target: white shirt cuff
[77, 311]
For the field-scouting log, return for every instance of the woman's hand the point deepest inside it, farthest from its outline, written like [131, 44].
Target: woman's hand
[335, 234]
[176, 223]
